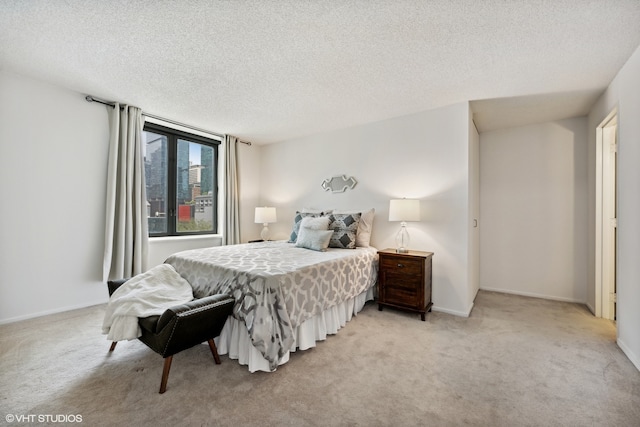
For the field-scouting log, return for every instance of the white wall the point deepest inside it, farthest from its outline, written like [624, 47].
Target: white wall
[160, 248]
[424, 156]
[533, 181]
[53, 146]
[54, 174]
[53, 163]
[624, 93]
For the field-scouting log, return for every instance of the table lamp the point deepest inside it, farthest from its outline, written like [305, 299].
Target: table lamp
[403, 210]
[265, 216]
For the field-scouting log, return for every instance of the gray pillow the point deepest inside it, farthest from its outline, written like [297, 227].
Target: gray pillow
[317, 240]
[345, 230]
[296, 223]
[363, 236]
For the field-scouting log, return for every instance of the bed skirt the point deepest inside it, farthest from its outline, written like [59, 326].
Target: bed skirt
[234, 339]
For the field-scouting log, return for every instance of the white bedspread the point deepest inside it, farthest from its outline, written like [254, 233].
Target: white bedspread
[277, 286]
[146, 294]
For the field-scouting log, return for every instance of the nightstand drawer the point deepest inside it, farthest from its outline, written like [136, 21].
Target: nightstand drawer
[401, 295]
[402, 265]
[397, 280]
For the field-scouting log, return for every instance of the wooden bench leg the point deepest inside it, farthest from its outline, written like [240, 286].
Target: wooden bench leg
[165, 374]
[214, 351]
[113, 346]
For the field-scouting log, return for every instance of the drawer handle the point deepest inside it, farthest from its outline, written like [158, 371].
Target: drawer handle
[400, 265]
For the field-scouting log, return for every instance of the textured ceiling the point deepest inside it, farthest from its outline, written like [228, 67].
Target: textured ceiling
[274, 70]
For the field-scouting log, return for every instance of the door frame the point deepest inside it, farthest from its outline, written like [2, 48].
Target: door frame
[605, 244]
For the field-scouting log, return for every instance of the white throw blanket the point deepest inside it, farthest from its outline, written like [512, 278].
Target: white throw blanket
[146, 294]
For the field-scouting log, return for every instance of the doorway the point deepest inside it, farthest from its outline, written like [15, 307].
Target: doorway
[606, 216]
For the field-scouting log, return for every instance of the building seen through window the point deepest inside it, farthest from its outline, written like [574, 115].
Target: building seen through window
[180, 173]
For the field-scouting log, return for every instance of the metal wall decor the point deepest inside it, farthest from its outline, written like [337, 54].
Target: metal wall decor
[339, 183]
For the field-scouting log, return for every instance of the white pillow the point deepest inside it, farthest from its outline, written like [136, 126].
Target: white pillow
[316, 211]
[315, 223]
[317, 240]
[365, 227]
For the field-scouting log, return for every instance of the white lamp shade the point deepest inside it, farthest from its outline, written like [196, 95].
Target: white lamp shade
[404, 210]
[265, 215]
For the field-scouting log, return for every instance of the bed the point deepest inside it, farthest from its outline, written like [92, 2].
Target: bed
[287, 297]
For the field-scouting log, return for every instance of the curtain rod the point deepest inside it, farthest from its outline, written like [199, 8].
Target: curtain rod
[90, 98]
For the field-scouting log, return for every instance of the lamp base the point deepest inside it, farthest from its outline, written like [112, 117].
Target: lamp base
[265, 233]
[402, 239]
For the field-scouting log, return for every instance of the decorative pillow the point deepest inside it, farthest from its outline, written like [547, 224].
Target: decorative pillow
[296, 224]
[319, 223]
[363, 236]
[345, 228]
[317, 240]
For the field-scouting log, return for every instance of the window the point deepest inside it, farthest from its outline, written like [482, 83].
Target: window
[181, 177]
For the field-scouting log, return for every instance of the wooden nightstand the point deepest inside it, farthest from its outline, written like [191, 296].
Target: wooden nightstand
[404, 281]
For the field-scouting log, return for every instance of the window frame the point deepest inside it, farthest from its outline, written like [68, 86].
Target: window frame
[171, 205]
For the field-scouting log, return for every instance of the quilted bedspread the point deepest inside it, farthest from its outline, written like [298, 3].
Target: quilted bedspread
[276, 285]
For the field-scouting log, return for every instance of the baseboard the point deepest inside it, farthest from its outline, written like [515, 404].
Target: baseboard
[591, 309]
[627, 351]
[454, 312]
[48, 312]
[532, 295]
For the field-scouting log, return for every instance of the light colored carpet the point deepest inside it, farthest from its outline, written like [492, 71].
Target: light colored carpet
[515, 362]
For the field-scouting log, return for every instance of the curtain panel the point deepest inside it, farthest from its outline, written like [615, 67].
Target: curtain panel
[126, 229]
[231, 235]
